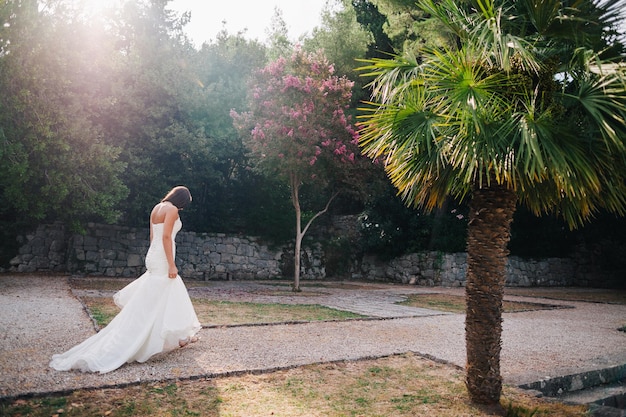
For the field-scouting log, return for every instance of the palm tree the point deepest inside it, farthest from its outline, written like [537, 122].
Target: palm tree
[520, 108]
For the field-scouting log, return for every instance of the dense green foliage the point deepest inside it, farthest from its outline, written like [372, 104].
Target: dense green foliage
[56, 161]
[101, 115]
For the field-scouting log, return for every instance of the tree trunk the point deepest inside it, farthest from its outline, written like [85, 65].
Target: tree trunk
[295, 199]
[297, 256]
[491, 214]
[300, 232]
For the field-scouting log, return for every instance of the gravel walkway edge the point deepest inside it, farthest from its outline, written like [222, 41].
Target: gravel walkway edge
[40, 316]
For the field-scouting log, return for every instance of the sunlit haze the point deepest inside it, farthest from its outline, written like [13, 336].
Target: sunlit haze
[254, 16]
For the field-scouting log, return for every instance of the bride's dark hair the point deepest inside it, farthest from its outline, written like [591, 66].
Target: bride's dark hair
[179, 196]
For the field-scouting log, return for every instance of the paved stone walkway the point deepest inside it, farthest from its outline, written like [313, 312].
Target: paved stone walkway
[378, 306]
[40, 316]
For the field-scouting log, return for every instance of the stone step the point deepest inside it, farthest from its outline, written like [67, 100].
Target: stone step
[558, 386]
[604, 390]
[611, 395]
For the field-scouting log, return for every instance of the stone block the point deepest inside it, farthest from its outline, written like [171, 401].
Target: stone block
[227, 258]
[57, 246]
[102, 232]
[226, 249]
[90, 241]
[39, 250]
[246, 250]
[134, 260]
[26, 268]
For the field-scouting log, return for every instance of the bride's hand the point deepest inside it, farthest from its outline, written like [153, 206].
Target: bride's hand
[172, 272]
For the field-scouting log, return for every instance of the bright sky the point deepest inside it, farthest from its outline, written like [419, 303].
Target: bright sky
[301, 16]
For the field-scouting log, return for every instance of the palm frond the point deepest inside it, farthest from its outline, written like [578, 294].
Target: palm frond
[492, 108]
[603, 99]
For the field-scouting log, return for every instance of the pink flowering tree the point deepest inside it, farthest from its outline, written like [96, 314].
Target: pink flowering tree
[296, 129]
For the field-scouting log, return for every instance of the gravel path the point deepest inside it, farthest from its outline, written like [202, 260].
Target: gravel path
[40, 316]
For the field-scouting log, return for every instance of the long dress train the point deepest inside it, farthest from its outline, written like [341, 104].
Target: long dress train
[156, 314]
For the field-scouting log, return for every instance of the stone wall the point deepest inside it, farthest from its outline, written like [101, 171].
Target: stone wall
[448, 270]
[120, 251]
[44, 250]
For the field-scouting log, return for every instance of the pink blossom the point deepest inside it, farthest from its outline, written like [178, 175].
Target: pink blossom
[298, 106]
[340, 150]
[258, 133]
[291, 81]
[295, 113]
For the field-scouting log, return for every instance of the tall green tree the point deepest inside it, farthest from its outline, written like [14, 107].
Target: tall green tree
[368, 15]
[522, 107]
[297, 130]
[340, 22]
[222, 69]
[55, 160]
[150, 119]
[279, 44]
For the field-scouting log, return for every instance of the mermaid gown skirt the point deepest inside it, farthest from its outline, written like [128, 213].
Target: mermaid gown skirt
[156, 313]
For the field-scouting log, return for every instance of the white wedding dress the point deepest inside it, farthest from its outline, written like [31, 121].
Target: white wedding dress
[156, 314]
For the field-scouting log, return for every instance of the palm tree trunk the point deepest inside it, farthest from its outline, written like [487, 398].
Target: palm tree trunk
[491, 214]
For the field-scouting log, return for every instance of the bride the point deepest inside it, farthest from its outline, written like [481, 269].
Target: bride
[157, 314]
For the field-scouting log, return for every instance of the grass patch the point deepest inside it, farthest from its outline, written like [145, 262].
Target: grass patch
[456, 304]
[224, 313]
[101, 309]
[229, 312]
[396, 386]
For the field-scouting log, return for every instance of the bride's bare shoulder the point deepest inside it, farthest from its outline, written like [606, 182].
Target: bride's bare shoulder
[161, 211]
